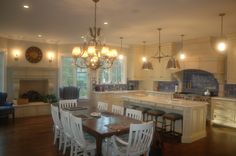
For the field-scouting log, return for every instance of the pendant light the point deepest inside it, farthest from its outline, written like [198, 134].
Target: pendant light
[121, 57]
[221, 43]
[173, 64]
[144, 58]
[182, 55]
[146, 64]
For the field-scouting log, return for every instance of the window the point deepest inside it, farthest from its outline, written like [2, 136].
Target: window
[72, 77]
[1, 71]
[115, 75]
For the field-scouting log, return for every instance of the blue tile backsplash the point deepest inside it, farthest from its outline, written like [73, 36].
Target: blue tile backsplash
[197, 81]
[230, 90]
[166, 86]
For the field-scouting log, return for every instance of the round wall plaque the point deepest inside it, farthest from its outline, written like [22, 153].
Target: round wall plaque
[33, 54]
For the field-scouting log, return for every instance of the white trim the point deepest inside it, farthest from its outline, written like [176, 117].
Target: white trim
[4, 78]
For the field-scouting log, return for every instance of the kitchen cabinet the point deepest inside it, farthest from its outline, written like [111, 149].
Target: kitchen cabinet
[224, 111]
[231, 63]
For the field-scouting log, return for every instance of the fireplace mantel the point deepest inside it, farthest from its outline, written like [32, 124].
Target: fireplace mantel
[15, 74]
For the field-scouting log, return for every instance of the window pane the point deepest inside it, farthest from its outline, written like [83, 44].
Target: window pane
[67, 72]
[1, 71]
[117, 71]
[104, 75]
[71, 77]
[82, 82]
[114, 75]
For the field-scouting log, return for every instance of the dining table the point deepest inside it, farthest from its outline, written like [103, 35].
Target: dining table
[103, 125]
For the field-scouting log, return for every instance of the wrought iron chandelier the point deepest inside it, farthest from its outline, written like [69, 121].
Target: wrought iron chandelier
[94, 54]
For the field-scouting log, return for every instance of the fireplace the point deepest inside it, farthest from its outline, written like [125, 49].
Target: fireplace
[23, 81]
[33, 90]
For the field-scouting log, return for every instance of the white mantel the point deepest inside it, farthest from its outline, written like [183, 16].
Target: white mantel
[15, 74]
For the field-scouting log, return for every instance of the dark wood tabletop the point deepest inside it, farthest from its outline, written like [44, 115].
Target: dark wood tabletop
[106, 125]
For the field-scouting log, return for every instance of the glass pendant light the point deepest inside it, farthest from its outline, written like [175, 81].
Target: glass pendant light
[221, 45]
[182, 55]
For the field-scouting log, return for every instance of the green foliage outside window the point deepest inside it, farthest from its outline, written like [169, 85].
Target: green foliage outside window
[71, 77]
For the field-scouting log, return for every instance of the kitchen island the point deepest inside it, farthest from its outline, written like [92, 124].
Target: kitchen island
[194, 113]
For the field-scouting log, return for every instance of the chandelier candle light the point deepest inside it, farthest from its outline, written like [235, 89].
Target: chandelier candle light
[94, 54]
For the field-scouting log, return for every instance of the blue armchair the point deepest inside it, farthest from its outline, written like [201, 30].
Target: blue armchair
[6, 108]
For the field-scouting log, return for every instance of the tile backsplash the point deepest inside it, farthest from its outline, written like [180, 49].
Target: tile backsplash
[198, 81]
[165, 86]
[230, 90]
[131, 85]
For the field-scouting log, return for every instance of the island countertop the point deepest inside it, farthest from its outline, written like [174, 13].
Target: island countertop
[154, 100]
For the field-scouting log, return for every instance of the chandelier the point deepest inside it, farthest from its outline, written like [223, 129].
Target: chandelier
[94, 54]
[172, 62]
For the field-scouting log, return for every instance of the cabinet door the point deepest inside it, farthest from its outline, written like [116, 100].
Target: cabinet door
[231, 63]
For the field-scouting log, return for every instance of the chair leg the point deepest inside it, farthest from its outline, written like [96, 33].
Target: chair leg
[173, 127]
[13, 114]
[61, 137]
[72, 149]
[55, 136]
[65, 144]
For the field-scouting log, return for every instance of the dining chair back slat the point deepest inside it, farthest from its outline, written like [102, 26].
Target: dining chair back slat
[77, 130]
[65, 120]
[68, 103]
[58, 129]
[68, 136]
[134, 114]
[102, 106]
[117, 109]
[139, 141]
[55, 116]
[140, 138]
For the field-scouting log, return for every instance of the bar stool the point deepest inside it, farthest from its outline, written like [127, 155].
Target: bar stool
[154, 114]
[143, 110]
[172, 117]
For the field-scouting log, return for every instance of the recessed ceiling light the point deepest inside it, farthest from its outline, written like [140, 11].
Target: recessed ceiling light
[40, 35]
[105, 23]
[26, 6]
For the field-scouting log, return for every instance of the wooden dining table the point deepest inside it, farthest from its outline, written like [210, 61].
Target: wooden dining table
[104, 126]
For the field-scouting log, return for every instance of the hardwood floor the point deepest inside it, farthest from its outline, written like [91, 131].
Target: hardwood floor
[34, 137]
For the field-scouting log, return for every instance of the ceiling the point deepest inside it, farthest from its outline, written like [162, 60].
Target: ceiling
[65, 21]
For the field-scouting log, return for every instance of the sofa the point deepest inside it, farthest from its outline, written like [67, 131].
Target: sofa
[6, 108]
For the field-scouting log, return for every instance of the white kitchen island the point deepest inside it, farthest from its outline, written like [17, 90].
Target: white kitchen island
[194, 113]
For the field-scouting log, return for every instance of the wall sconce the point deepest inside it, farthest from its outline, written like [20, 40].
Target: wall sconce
[16, 54]
[51, 56]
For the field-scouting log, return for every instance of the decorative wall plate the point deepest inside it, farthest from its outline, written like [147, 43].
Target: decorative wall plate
[33, 54]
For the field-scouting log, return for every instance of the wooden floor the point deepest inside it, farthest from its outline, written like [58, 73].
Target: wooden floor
[34, 137]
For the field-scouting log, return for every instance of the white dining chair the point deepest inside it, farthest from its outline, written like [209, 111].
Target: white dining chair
[134, 114]
[58, 129]
[117, 109]
[102, 106]
[81, 145]
[68, 103]
[68, 136]
[140, 138]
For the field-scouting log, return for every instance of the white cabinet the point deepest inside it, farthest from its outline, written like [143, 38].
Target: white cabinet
[231, 63]
[224, 112]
